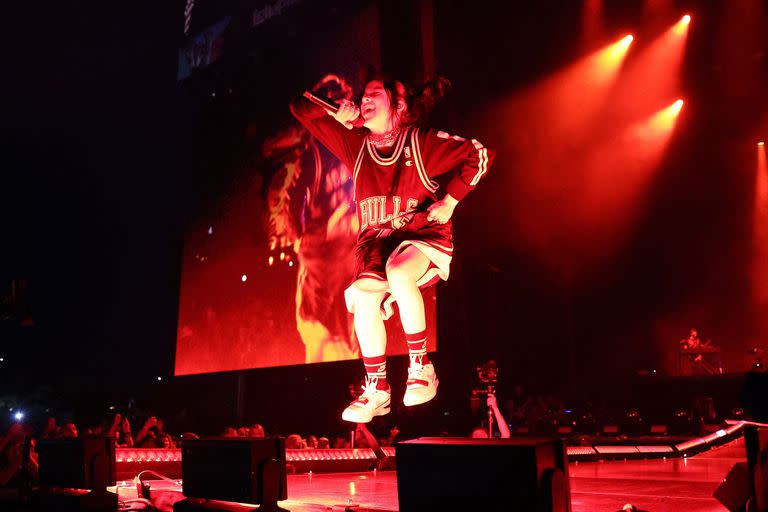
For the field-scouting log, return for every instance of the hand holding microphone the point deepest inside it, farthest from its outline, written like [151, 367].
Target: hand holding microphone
[346, 112]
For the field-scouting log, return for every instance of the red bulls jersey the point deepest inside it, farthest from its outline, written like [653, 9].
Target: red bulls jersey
[392, 191]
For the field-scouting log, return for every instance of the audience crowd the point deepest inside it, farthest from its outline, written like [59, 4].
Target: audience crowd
[520, 414]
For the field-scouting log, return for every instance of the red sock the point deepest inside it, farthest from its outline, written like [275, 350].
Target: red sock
[376, 368]
[417, 346]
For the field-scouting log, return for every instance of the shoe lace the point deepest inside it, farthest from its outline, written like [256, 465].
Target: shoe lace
[416, 369]
[369, 387]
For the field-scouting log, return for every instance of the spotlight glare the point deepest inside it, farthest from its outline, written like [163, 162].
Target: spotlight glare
[18, 416]
[761, 144]
[244, 278]
[678, 105]
[681, 27]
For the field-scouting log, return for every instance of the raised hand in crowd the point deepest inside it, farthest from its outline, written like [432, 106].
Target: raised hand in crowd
[50, 429]
[144, 432]
[500, 421]
[113, 429]
[125, 438]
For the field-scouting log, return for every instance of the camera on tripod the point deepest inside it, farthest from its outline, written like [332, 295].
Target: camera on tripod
[485, 384]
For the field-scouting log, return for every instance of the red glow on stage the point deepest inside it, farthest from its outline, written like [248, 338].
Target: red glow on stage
[590, 148]
[681, 27]
[653, 76]
[760, 242]
[618, 171]
[660, 123]
[564, 104]
[592, 19]
[617, 51]
[608, 60]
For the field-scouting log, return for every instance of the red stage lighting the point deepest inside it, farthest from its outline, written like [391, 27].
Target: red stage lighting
[661, 123]
[682, 26]
[760, 240]
[611, 57]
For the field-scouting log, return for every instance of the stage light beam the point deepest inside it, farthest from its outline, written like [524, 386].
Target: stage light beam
[681, 27]
[663, 121]
[610, 57]
[760, 241]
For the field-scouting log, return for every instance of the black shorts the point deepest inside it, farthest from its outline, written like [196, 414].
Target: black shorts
[372, 254]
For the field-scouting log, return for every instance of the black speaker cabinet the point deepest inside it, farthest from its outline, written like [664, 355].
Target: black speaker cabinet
[734, 491]
[745, 487]
[80, 462]
[529, 475]
[756, 442]
[245, 470]
[74, 474]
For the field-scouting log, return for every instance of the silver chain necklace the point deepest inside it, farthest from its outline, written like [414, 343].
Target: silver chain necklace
[385, 139]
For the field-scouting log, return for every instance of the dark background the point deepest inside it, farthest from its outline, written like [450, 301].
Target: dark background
[100, 181]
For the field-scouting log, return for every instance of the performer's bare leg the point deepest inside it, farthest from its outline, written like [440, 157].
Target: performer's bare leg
[403, 272]
[369, 325]
[372, 336]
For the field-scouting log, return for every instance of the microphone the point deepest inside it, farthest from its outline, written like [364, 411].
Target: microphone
[357, 122]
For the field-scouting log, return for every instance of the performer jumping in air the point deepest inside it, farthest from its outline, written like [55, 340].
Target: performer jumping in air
[407, 182]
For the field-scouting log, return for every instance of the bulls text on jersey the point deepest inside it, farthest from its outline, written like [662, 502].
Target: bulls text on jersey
[376, 211]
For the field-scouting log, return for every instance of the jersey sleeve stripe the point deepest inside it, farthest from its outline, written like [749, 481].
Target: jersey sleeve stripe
[423, 176]
[482, 166]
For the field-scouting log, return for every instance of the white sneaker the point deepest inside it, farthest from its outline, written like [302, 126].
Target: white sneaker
[373, 402]
[422, 383]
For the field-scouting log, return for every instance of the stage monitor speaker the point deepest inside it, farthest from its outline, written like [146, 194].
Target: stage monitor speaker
[756, 442]
[243, 470]
[79, 462]
[734, 492]
[745, 488]
[528, 474]
[74, 474]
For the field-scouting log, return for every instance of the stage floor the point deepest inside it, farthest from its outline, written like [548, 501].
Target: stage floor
[671, 485]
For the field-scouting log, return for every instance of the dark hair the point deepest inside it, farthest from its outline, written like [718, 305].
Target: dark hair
[419, 100]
